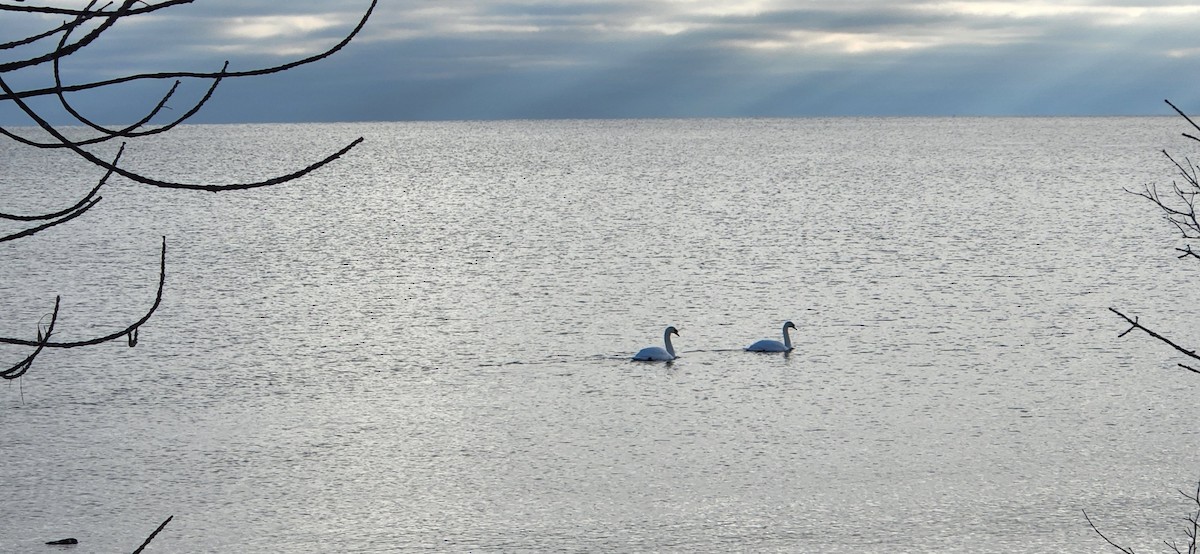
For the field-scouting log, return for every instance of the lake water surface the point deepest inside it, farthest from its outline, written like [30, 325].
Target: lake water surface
[424, 347]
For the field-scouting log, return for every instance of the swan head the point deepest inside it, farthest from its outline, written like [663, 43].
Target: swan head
[788, 325]
[672, 331]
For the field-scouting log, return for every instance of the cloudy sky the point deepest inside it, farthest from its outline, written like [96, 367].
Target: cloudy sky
[483, 59]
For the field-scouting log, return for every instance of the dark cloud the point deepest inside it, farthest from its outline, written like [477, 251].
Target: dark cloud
[455, 59]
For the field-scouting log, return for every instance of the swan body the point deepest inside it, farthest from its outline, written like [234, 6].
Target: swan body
[656, 354]
[766, 345]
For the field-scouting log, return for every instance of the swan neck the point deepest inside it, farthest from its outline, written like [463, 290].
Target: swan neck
[667, 339]
[787, 338]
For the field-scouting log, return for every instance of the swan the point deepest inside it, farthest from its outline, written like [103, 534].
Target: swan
[766, 345]
[656, 354]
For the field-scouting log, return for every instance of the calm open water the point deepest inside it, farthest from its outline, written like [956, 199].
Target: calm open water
[424, 347]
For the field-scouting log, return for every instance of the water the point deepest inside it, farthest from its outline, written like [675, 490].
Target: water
[424, 347]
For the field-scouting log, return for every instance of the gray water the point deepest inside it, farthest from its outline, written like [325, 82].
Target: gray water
[425, 346]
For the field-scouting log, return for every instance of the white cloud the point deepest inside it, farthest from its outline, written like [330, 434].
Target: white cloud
[257, 28]
[847, 43]
[1107, 14]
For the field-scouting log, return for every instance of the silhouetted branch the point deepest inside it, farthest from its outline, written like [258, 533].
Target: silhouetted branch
[1135, 324]
[43, 338]
[147, 8]
[168, 184]
[34, 38]
[1185, 116]
[1181, 210]
[11, 95]
[62, 216]
[1187, 252]
[1193, 519]
[128, 131]
[1189, 368]
[1106, 539]
[1119, 547]
[154, 534]
[87, 39]
[126, 9]
[100, 21]
[162, 278]
[32, 230]
[40, 217]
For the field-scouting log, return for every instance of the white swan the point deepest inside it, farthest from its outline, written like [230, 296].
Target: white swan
[766, 345]
[656, 354]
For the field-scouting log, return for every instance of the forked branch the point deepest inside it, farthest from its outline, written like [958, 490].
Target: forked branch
[1188, 253]
[1193, 527]
[1135, 324]
[130, 130]
[1179, 206]
[126, 9]
[43, 339]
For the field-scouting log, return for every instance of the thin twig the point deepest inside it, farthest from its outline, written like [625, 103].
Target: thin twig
[1188, 252]
[1134, 324]
[1106, 539]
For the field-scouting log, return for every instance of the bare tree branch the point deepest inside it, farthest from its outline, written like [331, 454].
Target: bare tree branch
[10, 95]
[147, 8]
[1185, 116]
[1182, 214]
[100, 20]
[128, 131]
[32, 230]
[41, 217]
[1135, 324]
[1193, 527]
[1106, 539]
[62, 216]
[43, 338]
[154, 534]
[1188, 252]
[168, 184]
[162, 278]
[34, 38]
[87, 39]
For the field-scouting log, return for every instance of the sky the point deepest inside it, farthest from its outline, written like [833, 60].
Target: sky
[520, 59]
